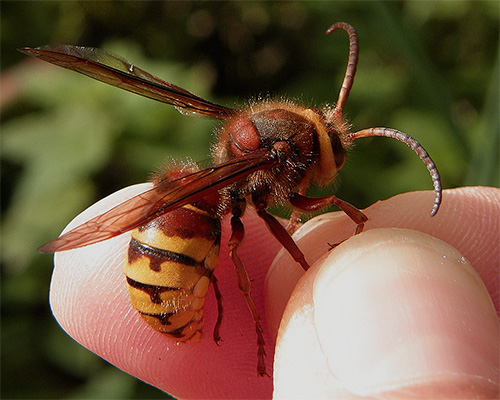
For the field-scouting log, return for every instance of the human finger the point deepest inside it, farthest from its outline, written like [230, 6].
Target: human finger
[390, 313]
[468, 220]
[90, 300]
[297, 342]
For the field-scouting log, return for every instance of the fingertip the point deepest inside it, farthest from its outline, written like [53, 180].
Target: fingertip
[80, 272]
[402, 306]
[389, 311]
[470, 210]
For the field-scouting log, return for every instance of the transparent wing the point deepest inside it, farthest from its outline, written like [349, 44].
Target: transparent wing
[164, 197]
[116, 71]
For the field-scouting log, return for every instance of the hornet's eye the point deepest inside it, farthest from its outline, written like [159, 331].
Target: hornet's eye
[338, 151]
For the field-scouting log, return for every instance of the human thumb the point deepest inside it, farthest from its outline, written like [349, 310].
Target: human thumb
[391, 313]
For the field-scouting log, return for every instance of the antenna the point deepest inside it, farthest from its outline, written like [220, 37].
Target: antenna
[416, 147]
[352, 64]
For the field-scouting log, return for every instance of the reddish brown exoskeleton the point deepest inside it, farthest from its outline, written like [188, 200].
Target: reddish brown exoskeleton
[267, 153]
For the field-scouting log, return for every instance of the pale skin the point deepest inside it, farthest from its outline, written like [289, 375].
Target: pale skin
[388, 313]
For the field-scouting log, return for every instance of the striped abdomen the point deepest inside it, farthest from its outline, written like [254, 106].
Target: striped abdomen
[170, 266]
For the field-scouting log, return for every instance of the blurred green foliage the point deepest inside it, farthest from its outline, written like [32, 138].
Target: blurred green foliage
[428, 68]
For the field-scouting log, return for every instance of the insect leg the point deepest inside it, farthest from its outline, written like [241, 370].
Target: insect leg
[220, 310]
[237, 235]
[283, 236]
[294, 221]
[317, 203]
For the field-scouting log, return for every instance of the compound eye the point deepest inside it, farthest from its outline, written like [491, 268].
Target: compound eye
[338, 150]
[340, 157]
[244, 135]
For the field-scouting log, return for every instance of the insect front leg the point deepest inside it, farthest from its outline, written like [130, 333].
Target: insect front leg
[237, 235]
[317, 203]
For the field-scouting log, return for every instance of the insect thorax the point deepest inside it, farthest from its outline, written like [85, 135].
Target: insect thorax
[303, 140]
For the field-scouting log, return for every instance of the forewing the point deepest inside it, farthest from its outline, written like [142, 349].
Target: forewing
[114, 70]
[164, 197]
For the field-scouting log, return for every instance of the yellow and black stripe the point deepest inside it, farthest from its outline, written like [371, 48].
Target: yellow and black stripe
[170, 266]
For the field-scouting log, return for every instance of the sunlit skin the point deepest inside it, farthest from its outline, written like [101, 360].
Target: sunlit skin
[85, 281]
[267, 153]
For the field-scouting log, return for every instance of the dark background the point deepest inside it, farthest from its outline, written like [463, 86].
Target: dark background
[429, 69]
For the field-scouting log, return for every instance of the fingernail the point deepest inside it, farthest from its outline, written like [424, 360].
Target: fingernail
[401, 308]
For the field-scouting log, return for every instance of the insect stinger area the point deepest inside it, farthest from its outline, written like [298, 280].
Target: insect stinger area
[267, 153]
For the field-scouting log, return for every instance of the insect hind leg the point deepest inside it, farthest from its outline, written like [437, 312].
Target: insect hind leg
[237, 235]
[220, 311]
